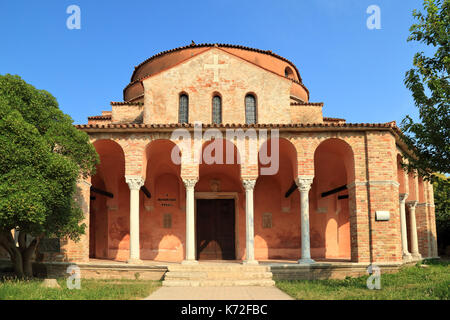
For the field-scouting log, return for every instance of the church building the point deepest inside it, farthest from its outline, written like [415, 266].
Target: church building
[287, 183]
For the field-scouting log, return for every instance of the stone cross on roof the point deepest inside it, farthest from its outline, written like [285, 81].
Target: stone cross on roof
[216, 67]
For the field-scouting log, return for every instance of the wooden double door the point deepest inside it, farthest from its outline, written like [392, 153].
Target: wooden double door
[215, 229]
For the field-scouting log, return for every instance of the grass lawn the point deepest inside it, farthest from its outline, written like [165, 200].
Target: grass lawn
[90, 290]
[418, 283]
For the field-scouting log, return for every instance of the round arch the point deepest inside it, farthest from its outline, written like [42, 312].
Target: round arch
[220, 155]
[342, 150]
[276, 152]
[334, 170]
[161, 154]
[162, 227]
[109, 201]
[277, 202]
[401, 175]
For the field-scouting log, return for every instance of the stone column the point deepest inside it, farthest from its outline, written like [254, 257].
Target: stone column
[135, 183]
[406, 254]
[190, 221]
[414, 241]
[304, 185]
[249, 185]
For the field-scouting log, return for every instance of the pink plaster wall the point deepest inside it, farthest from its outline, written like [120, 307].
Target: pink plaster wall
[330, 229]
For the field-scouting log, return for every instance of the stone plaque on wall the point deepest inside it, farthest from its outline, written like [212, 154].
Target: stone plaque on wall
[49, 245]
[166, 200]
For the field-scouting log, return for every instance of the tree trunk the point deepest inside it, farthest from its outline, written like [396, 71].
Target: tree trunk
[27, 254]
[17, 262]
[20, 256]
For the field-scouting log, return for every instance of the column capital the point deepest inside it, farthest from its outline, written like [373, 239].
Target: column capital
[190, 182]
[403, 196]
[412, 204]
[249, 184]
[134, 182]
[304, 182]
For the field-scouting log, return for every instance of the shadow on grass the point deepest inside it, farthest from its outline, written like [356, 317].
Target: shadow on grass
[13, 289]
[427, 281]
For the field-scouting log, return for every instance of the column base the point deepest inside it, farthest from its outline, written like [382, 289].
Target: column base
[306, 261]
[189, 262]
[250, 262]
[135, 261]
[416, 256]
[407, 257]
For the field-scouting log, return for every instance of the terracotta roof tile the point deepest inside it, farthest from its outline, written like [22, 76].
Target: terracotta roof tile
[103, 117]
[332, 119]
[224, 45]
[315, 104]
[145, 76]
[389, 125]
[124, 103]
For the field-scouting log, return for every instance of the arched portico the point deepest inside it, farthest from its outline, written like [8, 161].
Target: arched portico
[162, 218]
[163, 199]
[277, 218]
[220, 209]
[109, 230]
[334, 170]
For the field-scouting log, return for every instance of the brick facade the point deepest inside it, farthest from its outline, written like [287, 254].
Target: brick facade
[362, 157]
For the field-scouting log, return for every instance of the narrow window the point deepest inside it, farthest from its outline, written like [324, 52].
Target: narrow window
[167, 221]
[217, 110]
[183, 112]
[267, 220]
[250, 109]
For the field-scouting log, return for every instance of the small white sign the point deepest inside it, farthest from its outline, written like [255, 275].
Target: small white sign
[382, 215]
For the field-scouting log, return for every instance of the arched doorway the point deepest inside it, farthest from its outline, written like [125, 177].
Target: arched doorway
[220, 211]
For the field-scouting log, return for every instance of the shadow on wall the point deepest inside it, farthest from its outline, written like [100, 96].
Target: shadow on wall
[162, 215]
[163, 220]
[106, 230]
[277, 217]
[330, 213]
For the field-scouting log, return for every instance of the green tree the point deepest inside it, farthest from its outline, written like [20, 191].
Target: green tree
[441, 187]
[428, 81]
[42, 157]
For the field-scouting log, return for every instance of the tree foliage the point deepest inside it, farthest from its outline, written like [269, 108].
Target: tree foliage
[441, 187]
[428, 81]
[42, 157]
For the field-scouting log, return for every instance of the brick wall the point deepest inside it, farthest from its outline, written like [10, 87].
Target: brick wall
[127, 113]
[239, 78]
[383, 194]
[306, 114]
[78, 251]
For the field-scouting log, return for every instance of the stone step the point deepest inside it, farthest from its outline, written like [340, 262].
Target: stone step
[218, 283]
[218, 268]
[216, 275]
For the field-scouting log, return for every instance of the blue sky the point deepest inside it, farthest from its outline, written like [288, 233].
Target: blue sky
[358, 73]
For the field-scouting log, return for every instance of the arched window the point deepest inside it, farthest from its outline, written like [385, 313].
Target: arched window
[288, 73]
[217, 109]
[183, 111]
[250, 109]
